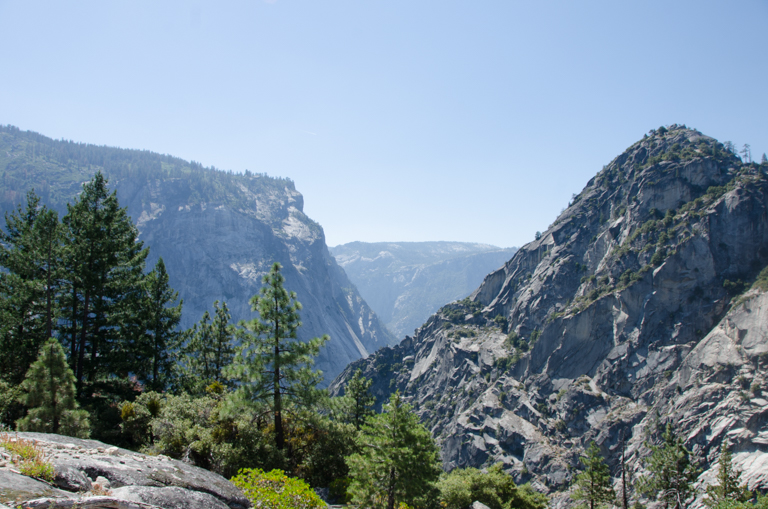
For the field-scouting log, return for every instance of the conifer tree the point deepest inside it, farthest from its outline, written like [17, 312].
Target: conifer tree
[728, 487]
[594, 484]
[30, 253]
[105, 269]
[223, 340]
[398, 460]
[272, 365]
[162, 338]
[209, 349]
[50, 395]
[671, 472]
[359, 399]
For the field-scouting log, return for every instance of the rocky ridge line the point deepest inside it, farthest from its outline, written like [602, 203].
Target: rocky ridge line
[610, 324]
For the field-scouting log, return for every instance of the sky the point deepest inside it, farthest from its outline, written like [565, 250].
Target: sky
[397, 120]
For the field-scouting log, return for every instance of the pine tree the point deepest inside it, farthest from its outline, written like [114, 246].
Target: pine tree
[272, 365]
[105, 267]
[594, 484]
[162, 339]
[728, 487]
[359, 399]
[223, 340]
[30, 253]
[209, 349]
[671, 472]
[398, 459]
[50, 396]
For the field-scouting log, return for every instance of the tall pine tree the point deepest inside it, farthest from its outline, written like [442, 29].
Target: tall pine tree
[161, 338]
[272, 365]
[105, 267]
[30, 253]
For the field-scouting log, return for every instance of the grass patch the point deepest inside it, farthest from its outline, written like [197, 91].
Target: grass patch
[28, 457]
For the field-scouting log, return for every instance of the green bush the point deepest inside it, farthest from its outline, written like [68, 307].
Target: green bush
[494, 488]
[275, 490]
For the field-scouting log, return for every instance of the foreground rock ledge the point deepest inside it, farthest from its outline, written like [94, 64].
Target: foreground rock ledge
[131, 480]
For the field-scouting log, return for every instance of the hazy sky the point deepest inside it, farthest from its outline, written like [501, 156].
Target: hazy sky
[398, 120]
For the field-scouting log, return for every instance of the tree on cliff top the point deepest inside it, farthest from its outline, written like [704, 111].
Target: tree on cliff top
[272, 365]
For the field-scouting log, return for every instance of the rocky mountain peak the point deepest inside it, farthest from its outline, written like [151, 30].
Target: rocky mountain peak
[589, 331]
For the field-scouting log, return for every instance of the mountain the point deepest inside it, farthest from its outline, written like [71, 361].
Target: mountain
[218, 233]
[642, 304]
[405, 282]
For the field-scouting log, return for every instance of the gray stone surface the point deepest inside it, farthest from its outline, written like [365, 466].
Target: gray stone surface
[147, 479]
[15, 488]
[169, 497]
[615, 344]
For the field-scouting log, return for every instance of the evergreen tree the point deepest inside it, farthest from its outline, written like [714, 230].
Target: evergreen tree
[272, 365]
[671, 472]
[359, 401]
[50, 396]
[105, 267]
[728, 487]
[594, 483]
[209, 349]
[223, 341]
[198, 355]
[398, 460]
[162, 339]
[30, 252]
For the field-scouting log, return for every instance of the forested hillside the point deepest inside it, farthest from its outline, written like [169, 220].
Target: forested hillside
[218, 233]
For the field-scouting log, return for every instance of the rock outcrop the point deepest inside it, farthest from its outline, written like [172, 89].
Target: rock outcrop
[406, 282]
[218, 233]
[94, 474]
[628, 313]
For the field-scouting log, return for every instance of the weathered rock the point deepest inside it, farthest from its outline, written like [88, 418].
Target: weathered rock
[155, 480]
[169, 497]
[623, 316]
[15, 488]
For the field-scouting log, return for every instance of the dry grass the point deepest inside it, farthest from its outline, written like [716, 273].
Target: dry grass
[28, 457]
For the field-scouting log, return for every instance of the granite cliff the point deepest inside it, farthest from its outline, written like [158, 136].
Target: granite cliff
[218, 233]
[632, 310]
[405, 282]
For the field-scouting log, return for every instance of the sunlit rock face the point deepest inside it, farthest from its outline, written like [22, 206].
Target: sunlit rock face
[631, 311]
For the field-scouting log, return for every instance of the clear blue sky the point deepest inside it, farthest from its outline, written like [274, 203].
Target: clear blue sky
[398, 120]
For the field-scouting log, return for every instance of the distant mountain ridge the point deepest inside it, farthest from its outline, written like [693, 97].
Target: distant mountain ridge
[405, 282]
[218, 233]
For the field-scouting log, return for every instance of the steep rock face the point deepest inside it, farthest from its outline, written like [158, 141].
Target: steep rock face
[620, 318]
[405, 282]
[123, 476]
[218, 233]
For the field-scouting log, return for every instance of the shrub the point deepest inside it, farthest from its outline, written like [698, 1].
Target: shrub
[275, 490]
[495, 489]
